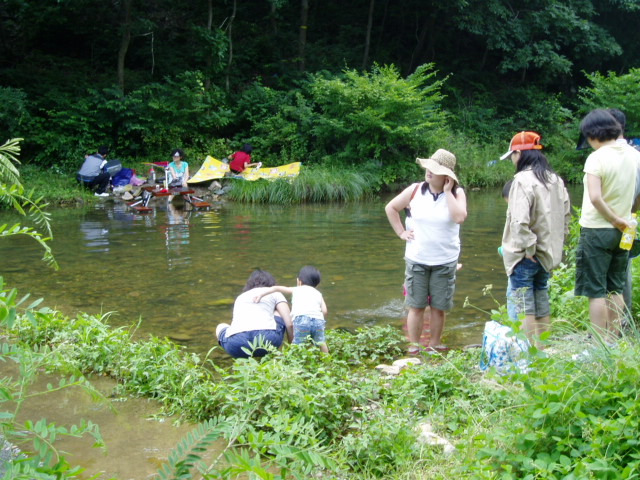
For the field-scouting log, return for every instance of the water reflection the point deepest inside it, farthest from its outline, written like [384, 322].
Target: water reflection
[180, 270]
[177, 236]
[96, 236]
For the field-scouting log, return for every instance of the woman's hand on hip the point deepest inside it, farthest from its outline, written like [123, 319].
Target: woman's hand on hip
[407, 235]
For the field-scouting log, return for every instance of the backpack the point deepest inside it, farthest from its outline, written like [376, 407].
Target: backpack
[502, 349]
[112, 167]
[122, 178]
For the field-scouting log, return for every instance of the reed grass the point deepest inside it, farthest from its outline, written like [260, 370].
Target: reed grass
[313, 185]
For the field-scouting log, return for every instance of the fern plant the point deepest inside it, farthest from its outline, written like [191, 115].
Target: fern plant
[13, 194]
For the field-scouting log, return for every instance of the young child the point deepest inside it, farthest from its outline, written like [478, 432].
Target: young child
[308, 309]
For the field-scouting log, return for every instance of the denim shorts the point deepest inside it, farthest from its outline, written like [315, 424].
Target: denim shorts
[424, 281]
[601, 265]
[234, 344]
[528, 290]
[305, 327]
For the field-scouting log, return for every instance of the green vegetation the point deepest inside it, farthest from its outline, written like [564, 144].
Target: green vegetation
[312, 185]
[340, 165]
[299, 413]
[14, 196]
[365, 88]
[36, 457]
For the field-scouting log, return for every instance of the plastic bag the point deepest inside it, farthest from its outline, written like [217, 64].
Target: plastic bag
[502, 349]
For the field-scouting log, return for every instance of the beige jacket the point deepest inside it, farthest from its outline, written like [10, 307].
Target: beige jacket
[537, 221]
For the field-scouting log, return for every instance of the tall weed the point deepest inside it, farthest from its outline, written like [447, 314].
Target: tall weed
[314, 184]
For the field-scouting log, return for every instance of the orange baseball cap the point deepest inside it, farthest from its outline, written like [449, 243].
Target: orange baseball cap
[523, 141]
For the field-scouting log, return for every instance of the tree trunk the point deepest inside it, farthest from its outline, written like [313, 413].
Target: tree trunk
[207, 79]
[417, 55]
[367, 42]
[229, 29]
[302, 43]
[124, 41]
[382, 25]
[274, 24]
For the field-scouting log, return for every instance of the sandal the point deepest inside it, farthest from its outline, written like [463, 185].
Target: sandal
[438, 349]
[414, 350]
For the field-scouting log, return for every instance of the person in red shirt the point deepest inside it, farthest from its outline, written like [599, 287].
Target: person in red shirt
[242, 159]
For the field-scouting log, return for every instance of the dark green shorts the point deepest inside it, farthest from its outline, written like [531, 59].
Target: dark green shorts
[430, 285]
[601, 265]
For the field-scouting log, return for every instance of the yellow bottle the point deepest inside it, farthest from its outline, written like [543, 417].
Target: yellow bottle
[629, 234]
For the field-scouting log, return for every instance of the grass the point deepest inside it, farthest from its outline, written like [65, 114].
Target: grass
[313, 185]
[55, 187]
[564, 417]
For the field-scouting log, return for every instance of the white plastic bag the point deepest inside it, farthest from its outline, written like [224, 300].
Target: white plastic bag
[502, 349]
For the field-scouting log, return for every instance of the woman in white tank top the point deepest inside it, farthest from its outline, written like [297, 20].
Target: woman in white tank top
[437, 207]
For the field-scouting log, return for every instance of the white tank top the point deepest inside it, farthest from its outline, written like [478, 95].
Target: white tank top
[436, 237]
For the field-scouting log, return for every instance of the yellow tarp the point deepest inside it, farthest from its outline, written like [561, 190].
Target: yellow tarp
[213, 168]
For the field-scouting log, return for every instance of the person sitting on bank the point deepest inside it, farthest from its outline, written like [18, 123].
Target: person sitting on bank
[91, 174]
[241, 160]
[178, 170]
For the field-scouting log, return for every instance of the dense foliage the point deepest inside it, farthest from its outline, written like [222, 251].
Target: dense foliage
[371, 84]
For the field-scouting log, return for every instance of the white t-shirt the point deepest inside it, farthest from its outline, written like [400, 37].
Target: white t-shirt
[436, 237]
[307, 301]
[249, 316]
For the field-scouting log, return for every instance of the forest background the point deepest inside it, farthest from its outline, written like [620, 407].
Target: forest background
[363, 86]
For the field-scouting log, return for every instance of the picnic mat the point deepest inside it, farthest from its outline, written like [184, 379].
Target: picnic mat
[213, 168]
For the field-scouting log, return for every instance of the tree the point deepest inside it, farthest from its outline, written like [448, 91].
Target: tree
[302, 40]
[125, 39]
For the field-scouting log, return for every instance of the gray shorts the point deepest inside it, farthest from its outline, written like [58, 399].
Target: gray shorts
[430, 285]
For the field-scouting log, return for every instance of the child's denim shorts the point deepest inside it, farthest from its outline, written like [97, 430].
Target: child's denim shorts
[305, 327]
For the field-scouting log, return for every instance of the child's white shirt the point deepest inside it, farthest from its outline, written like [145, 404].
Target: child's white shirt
[306, 300]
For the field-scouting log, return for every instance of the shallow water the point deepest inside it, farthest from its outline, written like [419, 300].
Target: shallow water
[179, 270]
[137, 444]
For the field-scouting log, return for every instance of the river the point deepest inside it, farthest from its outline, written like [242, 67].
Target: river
[178, 271]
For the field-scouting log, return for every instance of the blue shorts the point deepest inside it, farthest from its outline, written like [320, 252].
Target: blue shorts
[234, 344]
[305, 327]
[528, 290]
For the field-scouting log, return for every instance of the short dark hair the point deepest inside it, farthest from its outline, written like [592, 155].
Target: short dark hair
[103, 150]
[619, 116]
[259, 278]
[178, 151]
[309, 276]
[600, 125]
[247, 148]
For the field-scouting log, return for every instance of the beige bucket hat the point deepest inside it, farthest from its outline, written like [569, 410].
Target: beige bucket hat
[442, 162]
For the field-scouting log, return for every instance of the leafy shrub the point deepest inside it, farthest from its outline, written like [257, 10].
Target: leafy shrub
[376, 116]
[574, 419]
[367, 346]
[382, 444]
[280, 123]
[304, 389]
[29, 448]
[144, 124]
[565, 306]
[14, 113]
[614, 91]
